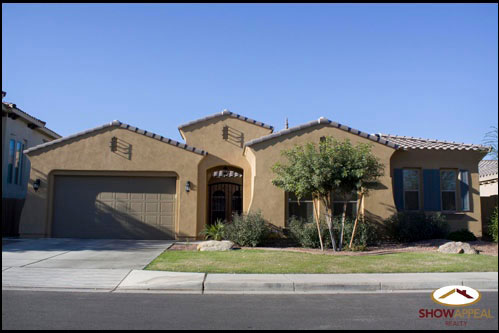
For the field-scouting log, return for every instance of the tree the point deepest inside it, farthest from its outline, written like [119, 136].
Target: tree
[491, 140]
[322, 170]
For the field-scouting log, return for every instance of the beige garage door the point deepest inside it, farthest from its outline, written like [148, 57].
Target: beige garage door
[114, 207]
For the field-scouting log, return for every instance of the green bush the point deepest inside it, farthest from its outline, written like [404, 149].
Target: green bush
[462, 235]
[411, 227]
[367, 232]
[492, 229]
[305, 233]
[247, 230]
[214, 231]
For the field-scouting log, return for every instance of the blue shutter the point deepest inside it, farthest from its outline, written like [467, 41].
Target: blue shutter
[465, 189]
[431, 184]
[398, 189]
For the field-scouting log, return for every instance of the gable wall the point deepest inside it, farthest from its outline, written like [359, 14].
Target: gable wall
[271, 200]
[91, 154]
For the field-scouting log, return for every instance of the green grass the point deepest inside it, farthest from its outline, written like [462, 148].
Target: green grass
[260, 261]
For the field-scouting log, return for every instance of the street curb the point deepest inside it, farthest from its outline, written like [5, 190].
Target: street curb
[142, 281]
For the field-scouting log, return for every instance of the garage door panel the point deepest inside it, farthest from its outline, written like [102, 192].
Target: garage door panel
[114, 207]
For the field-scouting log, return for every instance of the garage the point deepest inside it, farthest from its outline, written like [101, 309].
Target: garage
[114, 207]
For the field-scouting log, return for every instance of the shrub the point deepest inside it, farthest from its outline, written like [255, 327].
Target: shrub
[247, 230]
[462, 235]
[492, 229]
[305, 233]
[411, 227]
[214, 231]
[367, 232]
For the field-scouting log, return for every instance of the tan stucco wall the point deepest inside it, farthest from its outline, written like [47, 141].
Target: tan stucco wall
[271, 200]
[208, 136]
[91, 153]
[433, 159]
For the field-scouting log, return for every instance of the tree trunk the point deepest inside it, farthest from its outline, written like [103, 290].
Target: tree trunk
[317, 220]
[356, 219]
[329, 219]
[343, 217]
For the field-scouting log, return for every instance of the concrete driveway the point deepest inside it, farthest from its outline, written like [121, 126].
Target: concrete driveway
[80, 253]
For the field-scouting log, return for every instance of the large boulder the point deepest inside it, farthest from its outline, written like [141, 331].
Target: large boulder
[457, 247]
[215, 246]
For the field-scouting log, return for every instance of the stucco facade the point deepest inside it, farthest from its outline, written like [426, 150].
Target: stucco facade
[20, 127]
[216, 145]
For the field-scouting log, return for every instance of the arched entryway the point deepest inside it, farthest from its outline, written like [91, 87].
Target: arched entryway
[225, 193]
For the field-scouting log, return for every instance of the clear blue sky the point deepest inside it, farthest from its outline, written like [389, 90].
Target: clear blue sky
[420, 70]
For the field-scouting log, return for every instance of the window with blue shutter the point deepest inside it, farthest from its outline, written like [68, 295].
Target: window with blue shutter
[431, 185]
[464, 177]
[398, 189]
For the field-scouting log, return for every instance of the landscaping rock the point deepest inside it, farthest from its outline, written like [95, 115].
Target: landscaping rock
[215, 246]
[457, 247]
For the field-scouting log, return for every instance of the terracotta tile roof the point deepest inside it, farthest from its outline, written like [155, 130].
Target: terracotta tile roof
[407, 142]
[322, 121]
[487, 168]
[14, 106]
[40, 124]
[117, 123]
[227, 113]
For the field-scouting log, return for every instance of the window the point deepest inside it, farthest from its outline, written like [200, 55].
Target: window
[448, 181]
[18, 171]
[303, 209]
[411, 189]
[339, 202]
[10, 167]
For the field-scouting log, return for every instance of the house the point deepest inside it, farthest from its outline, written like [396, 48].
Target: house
[119, 181]
[488, 189]
[20, 130]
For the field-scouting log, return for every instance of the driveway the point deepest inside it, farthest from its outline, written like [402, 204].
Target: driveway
[80, 253]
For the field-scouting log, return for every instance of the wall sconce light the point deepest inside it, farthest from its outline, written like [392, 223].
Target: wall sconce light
[187, 186]
[36, 184]
[225, 171]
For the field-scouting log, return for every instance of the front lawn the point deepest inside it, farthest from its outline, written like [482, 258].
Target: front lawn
[261, 261]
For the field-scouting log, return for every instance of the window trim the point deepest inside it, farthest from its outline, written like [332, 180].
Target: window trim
[418, 191]
[456, 180]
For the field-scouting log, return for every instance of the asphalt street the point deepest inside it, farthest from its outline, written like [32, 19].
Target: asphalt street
[75, 310]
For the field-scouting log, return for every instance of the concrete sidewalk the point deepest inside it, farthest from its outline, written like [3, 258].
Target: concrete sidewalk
[122, 280]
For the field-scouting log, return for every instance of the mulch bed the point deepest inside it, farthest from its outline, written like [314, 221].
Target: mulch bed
[488, 248]
[432, 245]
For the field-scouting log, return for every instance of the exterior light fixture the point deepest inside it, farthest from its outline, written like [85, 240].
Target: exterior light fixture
[188, 186]
[225, 171]
[36, 184]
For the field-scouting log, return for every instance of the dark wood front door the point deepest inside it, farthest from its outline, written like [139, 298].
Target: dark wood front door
[225, 200]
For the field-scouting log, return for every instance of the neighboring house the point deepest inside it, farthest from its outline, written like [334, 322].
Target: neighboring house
[19, 132]
[488, 189]
[118, 181]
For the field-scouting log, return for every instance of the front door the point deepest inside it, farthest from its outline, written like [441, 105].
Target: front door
[225, 200]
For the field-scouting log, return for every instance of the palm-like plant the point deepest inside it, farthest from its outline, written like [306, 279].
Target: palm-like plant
[214, 231]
